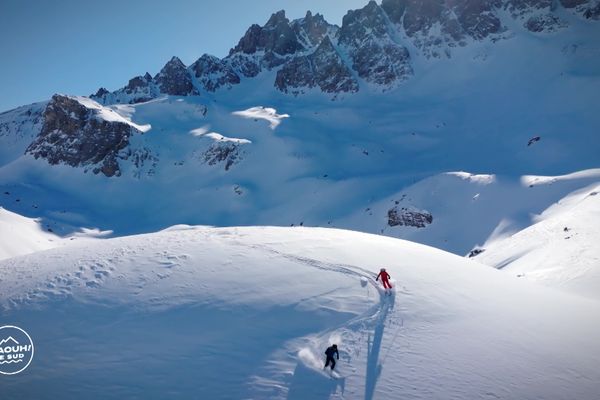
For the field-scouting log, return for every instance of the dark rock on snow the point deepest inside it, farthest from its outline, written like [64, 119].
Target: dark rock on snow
[323, 68]
[214, 73]
[409, 217]
[72, 135]
[375, 55]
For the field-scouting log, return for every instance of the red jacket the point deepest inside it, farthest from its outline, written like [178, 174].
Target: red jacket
[384, 276]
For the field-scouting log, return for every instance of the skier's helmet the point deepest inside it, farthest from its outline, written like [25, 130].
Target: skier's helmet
[382, 270]
[334, 346]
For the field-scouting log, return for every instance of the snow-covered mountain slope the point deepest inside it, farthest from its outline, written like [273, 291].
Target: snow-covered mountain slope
[561, 249]
[22, 235]
[226, 313]
[504, 101]
[459, 211]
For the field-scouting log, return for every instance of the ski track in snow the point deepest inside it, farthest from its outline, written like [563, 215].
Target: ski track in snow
[92, 273]
[390, 338]
[353, 334]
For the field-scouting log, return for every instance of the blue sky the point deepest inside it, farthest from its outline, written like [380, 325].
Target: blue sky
[76, 46]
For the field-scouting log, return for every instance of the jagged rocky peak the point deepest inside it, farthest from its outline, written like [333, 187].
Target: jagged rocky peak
[312, 29]
[360, 23]
[74, 134]
[375, 54]
[174, 79]
[323, 68]
[276, 36]
[100, 93]
[434, 26]
[138, 82]
[214, 73]
[268, 46]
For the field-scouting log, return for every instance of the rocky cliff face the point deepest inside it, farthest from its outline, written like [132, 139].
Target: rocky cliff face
[213, 73]
[435, 26]
[324, 69]
[226, 153]
[278, 41]
[376, 56]
[312, 29]
[174, 79]
[76, 135]
[267, 46]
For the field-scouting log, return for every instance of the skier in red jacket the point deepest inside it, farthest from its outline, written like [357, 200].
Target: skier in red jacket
[384, 278]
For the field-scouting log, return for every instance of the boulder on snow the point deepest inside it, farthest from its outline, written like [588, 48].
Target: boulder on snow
[408, 216]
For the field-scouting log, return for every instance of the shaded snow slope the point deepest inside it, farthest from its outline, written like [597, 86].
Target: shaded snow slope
[20, 235]
[222, 313]
[561, 249]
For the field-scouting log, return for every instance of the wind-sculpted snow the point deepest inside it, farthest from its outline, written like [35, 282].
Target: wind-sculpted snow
[22, 235]
[561, 248]
[234, 313]
[267, 113]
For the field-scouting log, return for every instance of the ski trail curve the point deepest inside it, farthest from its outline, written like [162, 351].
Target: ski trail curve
[370, 325]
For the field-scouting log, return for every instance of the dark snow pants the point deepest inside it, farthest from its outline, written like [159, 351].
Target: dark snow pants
[331, 361]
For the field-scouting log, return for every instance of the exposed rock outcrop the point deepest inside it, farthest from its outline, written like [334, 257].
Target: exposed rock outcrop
[78, 136]
[593, 12]
[572, 3]
[404, 216]
[375, 56]
[226, 152]
[323, 68]
[214, 73]
[435, 25]
[544, 23]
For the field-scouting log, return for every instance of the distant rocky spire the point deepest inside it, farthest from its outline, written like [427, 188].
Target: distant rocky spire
[174, 79]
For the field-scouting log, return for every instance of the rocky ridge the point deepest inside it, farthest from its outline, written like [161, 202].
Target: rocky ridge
[370, 48]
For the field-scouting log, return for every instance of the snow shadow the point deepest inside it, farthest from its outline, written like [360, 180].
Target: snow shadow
[118, 351]
[310, 384]
[374, 366]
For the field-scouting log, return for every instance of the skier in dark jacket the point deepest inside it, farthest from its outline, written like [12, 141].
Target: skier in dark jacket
[331, 350]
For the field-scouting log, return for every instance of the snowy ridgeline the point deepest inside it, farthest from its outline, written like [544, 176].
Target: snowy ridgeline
[246, 313]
